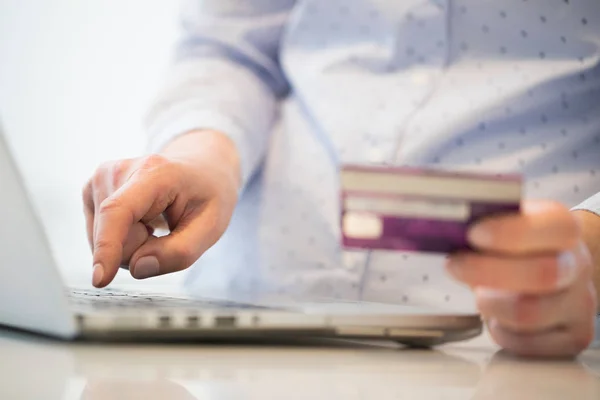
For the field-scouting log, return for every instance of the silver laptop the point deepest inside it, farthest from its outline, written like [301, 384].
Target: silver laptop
[33, 298]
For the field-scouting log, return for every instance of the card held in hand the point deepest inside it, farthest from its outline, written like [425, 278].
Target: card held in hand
[424, 210]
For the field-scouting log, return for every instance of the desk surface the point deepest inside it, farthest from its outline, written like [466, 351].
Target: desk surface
[35, 368]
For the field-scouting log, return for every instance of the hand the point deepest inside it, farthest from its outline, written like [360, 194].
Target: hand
[195, 191]
[532, 278]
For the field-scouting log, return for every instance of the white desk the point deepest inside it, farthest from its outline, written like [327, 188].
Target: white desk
[34, 368]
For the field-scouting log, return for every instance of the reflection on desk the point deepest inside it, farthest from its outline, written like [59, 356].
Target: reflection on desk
[34, 368]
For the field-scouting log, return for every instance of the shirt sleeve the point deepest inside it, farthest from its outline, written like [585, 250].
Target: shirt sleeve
[591, 204]
[225, 77]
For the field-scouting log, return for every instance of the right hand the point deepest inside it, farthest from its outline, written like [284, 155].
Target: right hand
[192, 186]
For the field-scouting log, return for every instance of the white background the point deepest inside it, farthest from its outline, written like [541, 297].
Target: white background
[76, 78]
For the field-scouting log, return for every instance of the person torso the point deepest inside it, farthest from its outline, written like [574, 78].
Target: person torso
[502, 87]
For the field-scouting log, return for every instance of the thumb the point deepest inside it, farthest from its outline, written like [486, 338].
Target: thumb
[176, 251]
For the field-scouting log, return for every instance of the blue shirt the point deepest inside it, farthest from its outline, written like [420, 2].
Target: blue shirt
[304, 86]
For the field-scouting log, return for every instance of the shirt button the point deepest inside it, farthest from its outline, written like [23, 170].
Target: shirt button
[353, 260]
[419, 78]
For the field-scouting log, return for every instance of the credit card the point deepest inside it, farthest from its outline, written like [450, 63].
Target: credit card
[408, 209]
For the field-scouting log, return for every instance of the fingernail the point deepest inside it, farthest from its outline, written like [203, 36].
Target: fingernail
[486, 296]
[567, 269]
[98, 274]
[480, 236]
[490, 293]
[145, 267]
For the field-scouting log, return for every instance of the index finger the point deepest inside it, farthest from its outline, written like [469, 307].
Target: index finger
[116, 216]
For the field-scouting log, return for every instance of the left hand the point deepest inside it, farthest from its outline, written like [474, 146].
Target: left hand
[532, 279]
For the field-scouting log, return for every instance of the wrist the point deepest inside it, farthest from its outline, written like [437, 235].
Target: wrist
[207, 148]
[590, 228]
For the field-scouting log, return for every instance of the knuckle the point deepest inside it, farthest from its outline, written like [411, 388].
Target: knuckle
[111, 172]
[86, 191]
[153, 161]
[102, 244]
[119, 171]
[98, 178]
[104, 167]
[160, 171]
[109, 205]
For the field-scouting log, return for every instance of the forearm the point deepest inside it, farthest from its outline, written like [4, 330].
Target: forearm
[591, 233]
[226, 78]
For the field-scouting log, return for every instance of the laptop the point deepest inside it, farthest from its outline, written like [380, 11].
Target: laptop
[34, 298]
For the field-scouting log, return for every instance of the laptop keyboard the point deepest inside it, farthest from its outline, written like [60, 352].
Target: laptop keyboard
[108, 299]
[115, 299]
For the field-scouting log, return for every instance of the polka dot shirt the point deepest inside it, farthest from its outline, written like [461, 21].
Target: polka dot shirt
[305, 86]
